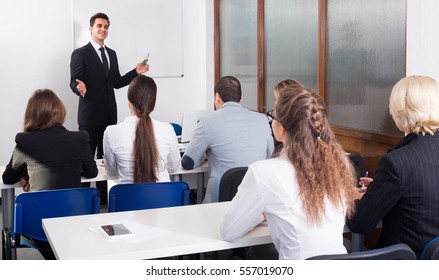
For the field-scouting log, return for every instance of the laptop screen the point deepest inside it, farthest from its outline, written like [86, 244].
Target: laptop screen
[189, 123]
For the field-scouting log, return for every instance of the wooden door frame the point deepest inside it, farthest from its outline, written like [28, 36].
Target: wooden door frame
[368, 144]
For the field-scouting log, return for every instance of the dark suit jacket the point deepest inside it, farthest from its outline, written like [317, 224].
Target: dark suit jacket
[55, 158]
[98, 107]
[404, 195]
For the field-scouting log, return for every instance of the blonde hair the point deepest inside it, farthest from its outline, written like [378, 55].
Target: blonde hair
[283, 84]
[414, 104]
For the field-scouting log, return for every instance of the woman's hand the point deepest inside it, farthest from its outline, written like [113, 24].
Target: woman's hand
[364, 183]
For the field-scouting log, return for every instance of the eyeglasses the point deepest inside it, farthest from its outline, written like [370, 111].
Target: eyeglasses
[270, 115]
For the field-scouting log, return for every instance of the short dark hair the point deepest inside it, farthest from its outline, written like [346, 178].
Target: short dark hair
[229, 89]
[98, 15]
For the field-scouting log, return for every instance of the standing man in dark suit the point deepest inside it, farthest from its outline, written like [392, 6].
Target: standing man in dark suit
[94, 73]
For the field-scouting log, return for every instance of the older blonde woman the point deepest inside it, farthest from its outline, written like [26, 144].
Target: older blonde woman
[404, 193]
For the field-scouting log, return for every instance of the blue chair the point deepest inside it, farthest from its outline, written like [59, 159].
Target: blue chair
[137, 196]
[393, 252]
[177, 128]
[31, 207]
[431, 250]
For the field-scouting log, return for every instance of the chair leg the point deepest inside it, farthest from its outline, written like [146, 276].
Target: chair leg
[3, 245]
[6, 245]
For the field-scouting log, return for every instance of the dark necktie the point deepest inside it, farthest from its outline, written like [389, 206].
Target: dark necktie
[104, 60]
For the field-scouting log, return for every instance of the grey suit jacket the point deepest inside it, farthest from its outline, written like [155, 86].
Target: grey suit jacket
[230, 137]
[404, 195]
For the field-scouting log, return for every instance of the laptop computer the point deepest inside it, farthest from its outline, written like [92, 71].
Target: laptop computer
[189, 123]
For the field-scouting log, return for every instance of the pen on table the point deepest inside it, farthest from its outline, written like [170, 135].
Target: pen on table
[363, 186]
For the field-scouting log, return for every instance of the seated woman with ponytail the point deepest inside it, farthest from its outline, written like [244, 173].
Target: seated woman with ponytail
[141, 149]
[305, 192]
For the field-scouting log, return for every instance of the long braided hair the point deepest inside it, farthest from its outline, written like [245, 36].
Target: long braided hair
[323, 171]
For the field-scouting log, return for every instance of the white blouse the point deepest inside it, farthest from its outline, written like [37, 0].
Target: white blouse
[119, 143]
[270, 186]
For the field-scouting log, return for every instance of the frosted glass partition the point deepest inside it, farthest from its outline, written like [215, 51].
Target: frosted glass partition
[365, 58]
[238, 49]
[291, 30]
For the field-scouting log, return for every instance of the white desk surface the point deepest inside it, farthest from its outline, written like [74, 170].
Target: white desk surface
[189, 229]
[103, 176]
[8, 192]
[200, 169]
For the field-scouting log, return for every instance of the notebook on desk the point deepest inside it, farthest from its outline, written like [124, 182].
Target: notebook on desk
[189, 123]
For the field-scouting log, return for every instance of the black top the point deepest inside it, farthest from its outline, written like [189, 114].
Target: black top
[55, 158]
[404, 195]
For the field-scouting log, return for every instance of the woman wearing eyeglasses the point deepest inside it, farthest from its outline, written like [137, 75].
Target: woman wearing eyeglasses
[305, 192]
[277, 92]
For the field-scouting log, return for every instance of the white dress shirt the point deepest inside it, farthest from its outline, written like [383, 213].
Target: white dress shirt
[97, 47]
[119, 143]
[270, 186]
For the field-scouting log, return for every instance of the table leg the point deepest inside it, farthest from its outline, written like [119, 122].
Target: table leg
[200, 187]
[8, 198]
[176, 177]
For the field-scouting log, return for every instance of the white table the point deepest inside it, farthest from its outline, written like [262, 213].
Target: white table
[8, 191]
[8, 196]
[188, 229]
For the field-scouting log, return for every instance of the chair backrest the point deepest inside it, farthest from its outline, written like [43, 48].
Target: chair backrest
[137, 196]
[358, 164]
[431, 250]
[32, 207]
[393, 252]
[177, 128]
[229, 183]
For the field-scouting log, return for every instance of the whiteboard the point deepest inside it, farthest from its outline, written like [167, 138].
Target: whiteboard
[154, 26]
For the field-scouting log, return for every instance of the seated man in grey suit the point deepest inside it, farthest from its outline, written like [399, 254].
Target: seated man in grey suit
[232, 136]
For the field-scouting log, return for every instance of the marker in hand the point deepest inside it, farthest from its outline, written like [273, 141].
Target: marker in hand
[363, 185]
[145, 61]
